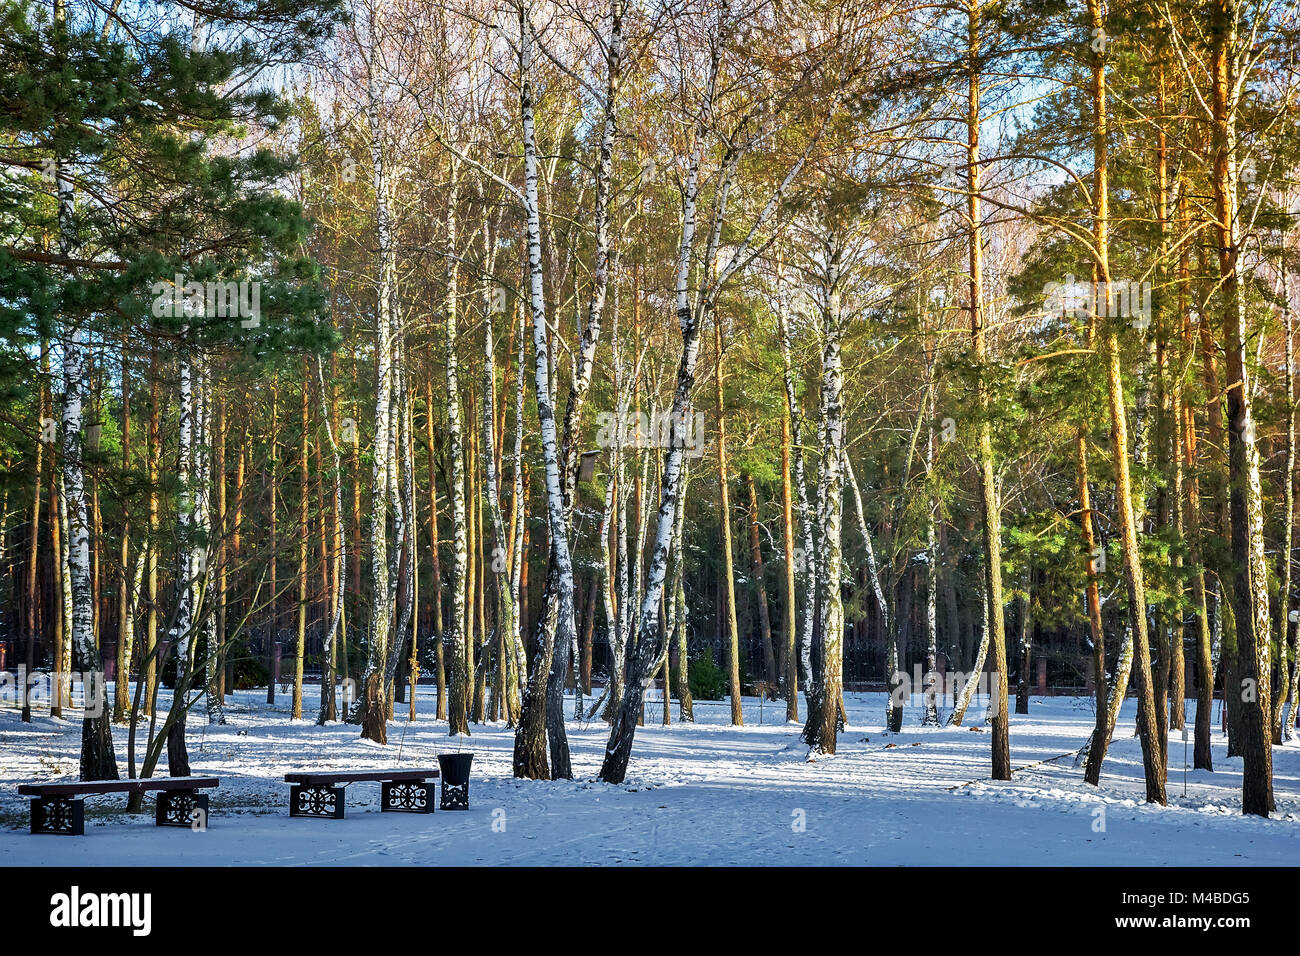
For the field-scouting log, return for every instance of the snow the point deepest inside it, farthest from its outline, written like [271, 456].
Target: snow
[703, 793]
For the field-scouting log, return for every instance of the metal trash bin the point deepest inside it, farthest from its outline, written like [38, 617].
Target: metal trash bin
[455, 780]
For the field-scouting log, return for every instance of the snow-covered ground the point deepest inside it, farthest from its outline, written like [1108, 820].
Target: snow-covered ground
[702, 793]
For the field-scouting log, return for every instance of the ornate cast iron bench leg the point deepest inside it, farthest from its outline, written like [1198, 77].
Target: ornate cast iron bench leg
[176, 808]
[414, 797]
[64, 815]
[307, 801]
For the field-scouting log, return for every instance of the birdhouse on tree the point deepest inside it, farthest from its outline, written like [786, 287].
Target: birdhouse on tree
[587, 468]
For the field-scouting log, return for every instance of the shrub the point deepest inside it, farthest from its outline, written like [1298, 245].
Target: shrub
[707, 680]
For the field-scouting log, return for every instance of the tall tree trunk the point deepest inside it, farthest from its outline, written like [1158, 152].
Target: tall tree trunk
[373, 692]
[457, 693]
[507, 611]
[1245, 504]
[1202, 754]
[434, 547]
[618, 752]
[125, 622]
[98, 761]
[821, 737]
[273, 557]
[760, 580]
[339, 558]
[728, 561]
[805, 556]
[791, 671]
[542, 714]
[32, 635]
[989, 504]
[1149, 721]
[931, 718]
[151, 546]
[1287, 630]
[304, 525]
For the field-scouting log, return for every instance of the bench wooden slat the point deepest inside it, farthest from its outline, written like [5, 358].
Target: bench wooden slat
[326, 778]
[116, 786]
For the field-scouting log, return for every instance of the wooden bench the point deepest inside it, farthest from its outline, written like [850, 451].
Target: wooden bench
[321, 794]
[59, 809]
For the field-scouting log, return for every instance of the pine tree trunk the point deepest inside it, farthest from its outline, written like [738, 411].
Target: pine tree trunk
[339, 557]
[59, 538]
[1245, 504]
[989, 505]
[760, 581]
[32, 636]
[226, 680]
[273, 557]
[728, 561]
[125, 623]
[300, 648]
[151, 546]
[1149, 721]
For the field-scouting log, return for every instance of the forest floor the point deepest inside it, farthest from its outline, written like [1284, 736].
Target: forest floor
[701, 793]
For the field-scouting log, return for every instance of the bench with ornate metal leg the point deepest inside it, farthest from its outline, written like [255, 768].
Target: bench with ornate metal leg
[58, 807]
[321, 794]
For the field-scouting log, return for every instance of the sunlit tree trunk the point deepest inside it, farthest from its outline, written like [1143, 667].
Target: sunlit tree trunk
[728, 561]
[1137, 649]
[373, 692]
[151, 559]
[1288, 655]
[790, 676]
[97, 758]
[821, 736]
[1245, 500]
[304, 524]
[554, 636]
[455, 640]
[804, 556]
[760, 580]
[434, 547]
[125, 622]
[31, 636]
[338, 558]
[989, 504]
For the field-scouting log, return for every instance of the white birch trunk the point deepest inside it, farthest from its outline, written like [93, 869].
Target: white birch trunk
[554, 642]
[373, 703]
